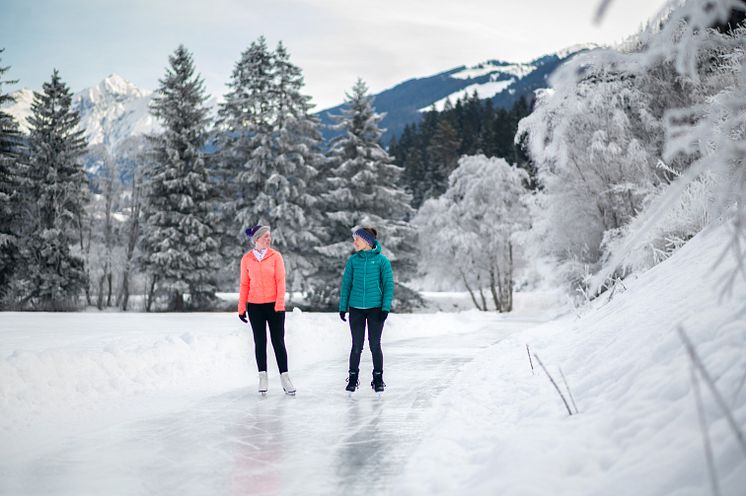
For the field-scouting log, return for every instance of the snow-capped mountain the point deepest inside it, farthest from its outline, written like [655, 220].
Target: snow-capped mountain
[502, 82]
[113, 111]
[110, 112]
[21, 109]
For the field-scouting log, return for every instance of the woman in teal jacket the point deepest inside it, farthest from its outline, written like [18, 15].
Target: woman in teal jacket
[366, 292]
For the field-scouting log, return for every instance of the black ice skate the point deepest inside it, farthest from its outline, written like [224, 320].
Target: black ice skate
[377, 383]
[352, 382]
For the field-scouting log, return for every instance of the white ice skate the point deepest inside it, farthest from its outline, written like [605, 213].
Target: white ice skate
[263, 383]
[286, 384]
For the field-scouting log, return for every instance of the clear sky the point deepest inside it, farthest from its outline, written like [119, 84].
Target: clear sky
[333, 41]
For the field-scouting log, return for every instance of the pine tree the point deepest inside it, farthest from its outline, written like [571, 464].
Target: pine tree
[293, 188]
[364, 190]
[245, 134]
[443, 153]
[10, 184]
[270, 145]
[178, 244]
[53, 203]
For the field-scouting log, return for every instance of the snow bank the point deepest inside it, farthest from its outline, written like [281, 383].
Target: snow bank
[503, 430]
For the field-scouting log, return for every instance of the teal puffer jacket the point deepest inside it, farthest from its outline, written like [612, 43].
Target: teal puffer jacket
[368, 281]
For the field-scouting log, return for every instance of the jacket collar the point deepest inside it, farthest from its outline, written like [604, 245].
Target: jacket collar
[368, 253]
[270, 253]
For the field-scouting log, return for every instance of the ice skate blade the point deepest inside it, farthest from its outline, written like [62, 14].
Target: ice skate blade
[262, 393]
[290, 393]
[379, 395]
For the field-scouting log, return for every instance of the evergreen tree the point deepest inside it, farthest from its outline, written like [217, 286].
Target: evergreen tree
[292, 185]
[55, 195]
[271, 146]
[244, 143]
[364, 190]
[443, 153]
[179, 249]
[10, 184]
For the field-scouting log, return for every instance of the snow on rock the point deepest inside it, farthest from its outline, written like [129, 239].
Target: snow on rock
[503, 430]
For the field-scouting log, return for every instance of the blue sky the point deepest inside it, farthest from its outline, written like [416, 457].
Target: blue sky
[333, 41]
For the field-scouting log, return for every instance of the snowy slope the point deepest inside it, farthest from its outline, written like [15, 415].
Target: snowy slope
[503, 430]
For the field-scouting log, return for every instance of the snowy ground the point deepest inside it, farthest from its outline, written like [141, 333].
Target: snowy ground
[165, 404]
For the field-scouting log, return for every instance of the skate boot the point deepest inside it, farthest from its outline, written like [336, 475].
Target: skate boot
[263, 383]
[377, 383]
[286, 384]
[352, 382]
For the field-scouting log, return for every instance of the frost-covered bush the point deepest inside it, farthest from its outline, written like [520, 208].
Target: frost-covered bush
[621, 139]
[467, 235]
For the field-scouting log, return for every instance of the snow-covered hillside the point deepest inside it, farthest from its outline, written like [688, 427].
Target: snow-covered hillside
[504, 430]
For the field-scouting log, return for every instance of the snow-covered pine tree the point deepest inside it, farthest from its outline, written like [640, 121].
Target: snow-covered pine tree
[297, 221]
[179, 249]
[9, 187]
[270, 148]
[364, 190]
[243, 142]
[53, 202]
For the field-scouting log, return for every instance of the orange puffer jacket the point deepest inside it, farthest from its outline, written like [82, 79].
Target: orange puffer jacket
[262, 282]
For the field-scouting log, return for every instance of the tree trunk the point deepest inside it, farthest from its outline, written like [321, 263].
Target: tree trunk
[100, 296]
[125, 294]
[108, 282]
[132, 237]
[150, 294]
[468, 288]
[177, 302]
[495, 298]
[506, 286]
[484, 300]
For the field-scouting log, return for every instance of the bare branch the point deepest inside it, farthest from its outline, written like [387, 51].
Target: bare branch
[697, 362]
[705, 433]
[569, 393]
[559, 391]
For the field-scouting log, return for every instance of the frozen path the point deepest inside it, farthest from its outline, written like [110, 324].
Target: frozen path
[318, 442]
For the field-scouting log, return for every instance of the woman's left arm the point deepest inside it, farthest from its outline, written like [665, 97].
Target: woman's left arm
[280, 283]
[387, 280]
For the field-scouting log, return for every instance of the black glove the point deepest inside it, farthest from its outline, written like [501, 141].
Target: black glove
[384, 315]
[242, 316]
[342, 316]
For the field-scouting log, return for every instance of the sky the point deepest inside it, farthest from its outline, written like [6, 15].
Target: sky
[333, 41]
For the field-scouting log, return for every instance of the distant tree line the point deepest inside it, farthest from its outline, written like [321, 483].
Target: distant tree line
[429, 150]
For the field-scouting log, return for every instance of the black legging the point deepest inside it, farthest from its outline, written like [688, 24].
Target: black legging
[261, 314]
[358, 319]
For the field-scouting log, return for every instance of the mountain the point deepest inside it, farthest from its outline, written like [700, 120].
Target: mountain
[111, 112]
[503, 82]
[115, 116]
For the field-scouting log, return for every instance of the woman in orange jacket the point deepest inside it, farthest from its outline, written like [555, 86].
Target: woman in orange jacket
[262, 296]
